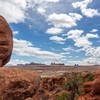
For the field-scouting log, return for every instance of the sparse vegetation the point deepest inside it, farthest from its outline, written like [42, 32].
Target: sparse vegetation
[90, 77]
[64, 96]
[74, 86]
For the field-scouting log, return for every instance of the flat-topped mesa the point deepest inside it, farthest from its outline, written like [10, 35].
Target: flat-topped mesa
[6, 42]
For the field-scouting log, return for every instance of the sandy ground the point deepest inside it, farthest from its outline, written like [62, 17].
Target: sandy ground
[59, 70]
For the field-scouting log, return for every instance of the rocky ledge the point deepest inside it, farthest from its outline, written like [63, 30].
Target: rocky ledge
[18, 84]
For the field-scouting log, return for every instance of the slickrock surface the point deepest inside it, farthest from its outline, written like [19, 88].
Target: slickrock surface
[18, 84]
[92, 89]
[6, 42]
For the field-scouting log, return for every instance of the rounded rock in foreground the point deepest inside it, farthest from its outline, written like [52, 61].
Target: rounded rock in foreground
[6, 42]
[18, 84]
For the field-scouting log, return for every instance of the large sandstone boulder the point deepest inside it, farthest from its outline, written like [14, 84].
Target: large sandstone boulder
[18, 84]
[6, 42]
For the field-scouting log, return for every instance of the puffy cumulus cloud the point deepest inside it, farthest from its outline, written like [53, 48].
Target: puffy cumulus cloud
[13, 10]
[82, 42]
[54, 30]
[93, 51]
[26, 48]
[64, 20]
[83, 5]
[94, 30]
[17, 61]
[75, 16]
[90, 12]
[58, 39]
[74, 34]
[79, 39]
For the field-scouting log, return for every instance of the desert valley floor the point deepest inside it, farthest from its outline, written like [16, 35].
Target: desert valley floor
[59, 70]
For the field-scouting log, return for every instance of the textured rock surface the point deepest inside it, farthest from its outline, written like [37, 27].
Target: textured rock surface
[51, 83]
[18, 84]
[87, 87]
[92, 89]
[6, 42]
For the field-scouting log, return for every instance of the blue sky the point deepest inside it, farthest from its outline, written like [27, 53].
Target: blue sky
[61, 31]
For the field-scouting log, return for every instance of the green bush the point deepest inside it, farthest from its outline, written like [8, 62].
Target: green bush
[64, 96]
[90, 77]
[74, 85]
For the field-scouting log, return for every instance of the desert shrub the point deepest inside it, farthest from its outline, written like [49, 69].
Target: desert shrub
[90, 77]
[74, 85]
[64, 96]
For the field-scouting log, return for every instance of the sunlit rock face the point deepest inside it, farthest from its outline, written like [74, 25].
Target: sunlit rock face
[6, 42]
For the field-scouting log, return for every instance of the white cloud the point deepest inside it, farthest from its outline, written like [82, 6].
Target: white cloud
[79, 39]
[68, 49]
[94, 30]
[86, 45]
[13, 10]
[26, 48]
[65, 53]
[83, 5]
[90, 12]
[64, 20]
[16, 32]
[93, 51]
[75, 16]
[41, 10]
[58, 39]
[54, 30]
[51, 0]
[17, 61]
[88, 35]
[86, 61]
[82, 42]
[74, 34]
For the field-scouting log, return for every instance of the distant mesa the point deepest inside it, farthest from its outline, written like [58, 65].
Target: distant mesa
[6, 42]
[57, 64]
[31, 64]
[41, 65]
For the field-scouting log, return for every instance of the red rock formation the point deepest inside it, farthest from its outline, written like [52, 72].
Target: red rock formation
[51, 83]
[87, 87]
[92, 89]
[6, 42]
[18, 84]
